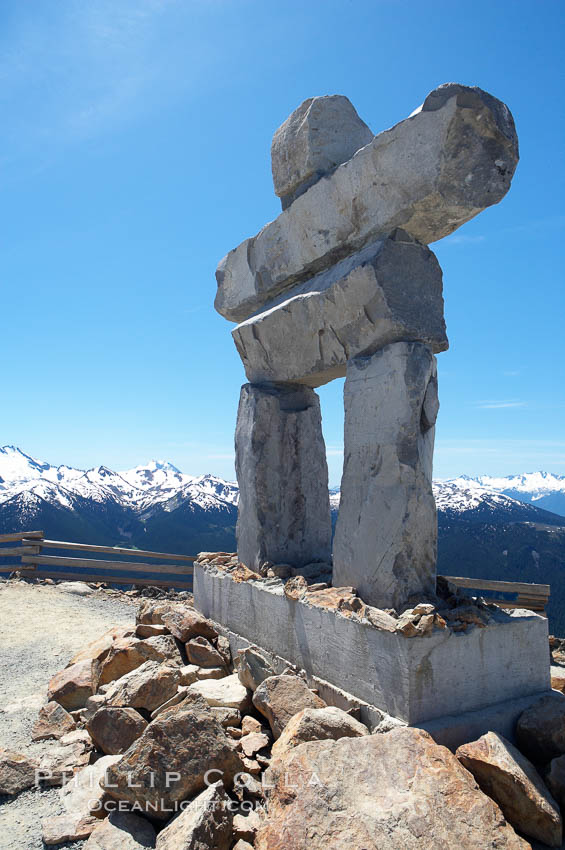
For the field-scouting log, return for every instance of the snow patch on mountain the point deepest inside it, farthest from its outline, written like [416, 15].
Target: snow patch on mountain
[160, 485]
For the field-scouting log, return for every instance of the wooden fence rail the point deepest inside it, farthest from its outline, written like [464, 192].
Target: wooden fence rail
[34, 564]
[531, 596]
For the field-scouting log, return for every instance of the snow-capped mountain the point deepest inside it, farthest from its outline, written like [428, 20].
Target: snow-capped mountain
[160, 486]
[492, 528]
[543, 489]
[153, 506]
[138, 488]
[466, 497]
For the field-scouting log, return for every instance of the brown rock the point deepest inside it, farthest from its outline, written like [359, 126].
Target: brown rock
[188, 674]
[555, 779]
[17, 772]
[67, 827]
[316, 724]
[251, 744]
[245, 785]
[180, 696]
[540, 730]
[225, 716]
[188, 623]
[245, 826]
[513, 782]
[223, 647]
[224, 693]
[98, 649]
[145, 630]
[184, 741]
[335, 598]
[82, 796]
[114, 729]
[72, 686]
[201, 652]
[205, 823]
[148, 686]
[396, 791]
[93, 703]
[295, 588]
[152, 613]
[250, 724]
[558, 678]
[205, 673]
[251, 765]
[63, 760]
[122, 831]
[129, 653]
[279, 698]
[53, 722]
[380, 619]
[253, 667]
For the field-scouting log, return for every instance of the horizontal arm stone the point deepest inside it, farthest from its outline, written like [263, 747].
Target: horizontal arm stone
[388, 292]
[429, 174]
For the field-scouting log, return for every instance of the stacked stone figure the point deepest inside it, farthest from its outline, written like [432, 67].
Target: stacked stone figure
[342, 283]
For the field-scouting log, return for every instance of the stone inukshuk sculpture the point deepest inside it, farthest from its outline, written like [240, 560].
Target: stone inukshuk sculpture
[343, 283]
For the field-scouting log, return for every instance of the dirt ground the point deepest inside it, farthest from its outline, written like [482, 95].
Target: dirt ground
[41, 628]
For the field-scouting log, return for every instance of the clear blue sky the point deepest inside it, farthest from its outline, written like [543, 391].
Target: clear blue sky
[134, 153]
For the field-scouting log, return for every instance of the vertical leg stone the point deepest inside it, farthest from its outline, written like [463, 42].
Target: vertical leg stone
[386, 537]
[280, 457]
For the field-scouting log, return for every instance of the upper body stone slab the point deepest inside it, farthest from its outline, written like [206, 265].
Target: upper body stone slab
[321, 134]
[429, 174]
[388, 292]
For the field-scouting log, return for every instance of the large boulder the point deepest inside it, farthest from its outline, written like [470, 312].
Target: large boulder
[187, 623]
[61, 761]
[201, 652]
[513, 782]
[224, 693]
[391, 291]
[205, 823]
[279, 698]
[147, 687]
[393, 791]
[53, 722]
[151, 612]
[17, 772]
[172, 759]
[429, 174]
[83, 796]
[72, 686]
[128, 653]
[555, 779]
[317, 137]
[97, 649]
[114, 729]
[253, 667]
[540, 731]
[317, 724]
[68, 827]
[122, 831]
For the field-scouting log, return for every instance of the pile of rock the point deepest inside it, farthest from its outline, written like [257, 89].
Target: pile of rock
[449, 608]
[167, 741]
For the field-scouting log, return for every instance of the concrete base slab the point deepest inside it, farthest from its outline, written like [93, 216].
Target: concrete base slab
[448, 730]
[415, 680]
[453, 730]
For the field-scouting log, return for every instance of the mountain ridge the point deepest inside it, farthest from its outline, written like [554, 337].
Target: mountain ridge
[483, 532]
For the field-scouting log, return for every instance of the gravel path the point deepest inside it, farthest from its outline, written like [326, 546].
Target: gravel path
[41, 628]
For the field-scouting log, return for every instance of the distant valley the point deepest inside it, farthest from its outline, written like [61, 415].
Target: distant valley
[497, 528]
